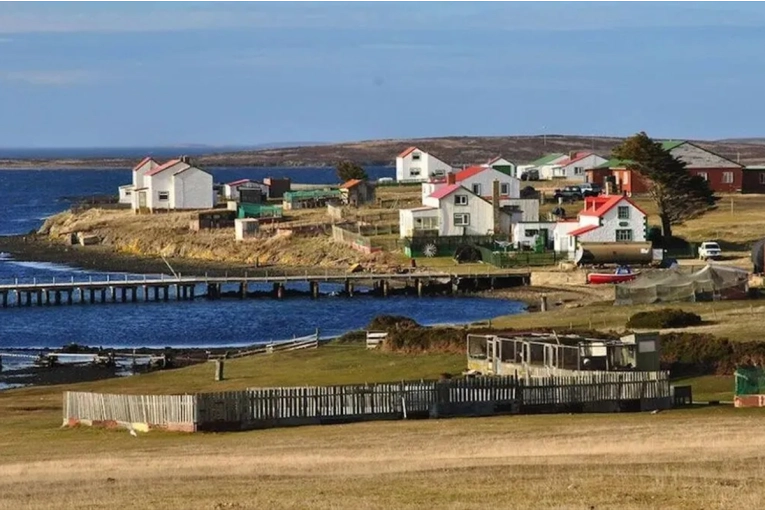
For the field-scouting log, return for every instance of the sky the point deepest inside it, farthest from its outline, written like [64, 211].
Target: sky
[150, 74]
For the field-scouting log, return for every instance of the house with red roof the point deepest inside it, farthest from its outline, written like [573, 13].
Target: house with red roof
[126, 191]
[571, 168]
[176, 184]
[454, 210]
[415, 165]
[357, 192]
[604, 219]
[233, 190]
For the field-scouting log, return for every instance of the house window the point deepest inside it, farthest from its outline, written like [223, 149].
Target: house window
[578, 170]
[128, 193]
[727, 178]
[504, 189]
[624, 212]
[624, 235]
[460, 200]
[426, 223]
[530, 232]
[416, 156]
[703, 175]
[163, 195]
[762, 178]
[626, 179]
[477, 189]
[461, 220]
[414, 172]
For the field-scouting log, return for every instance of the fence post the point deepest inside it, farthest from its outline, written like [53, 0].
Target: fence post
[218, 369]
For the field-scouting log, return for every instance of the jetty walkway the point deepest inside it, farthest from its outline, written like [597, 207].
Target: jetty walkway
[187, 288]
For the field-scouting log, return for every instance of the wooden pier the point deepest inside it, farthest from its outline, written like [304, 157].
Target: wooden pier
[187, 288]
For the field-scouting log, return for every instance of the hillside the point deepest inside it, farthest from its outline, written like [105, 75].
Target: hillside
[454, 150]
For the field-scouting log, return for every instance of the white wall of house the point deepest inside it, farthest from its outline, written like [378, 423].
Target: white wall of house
[420, 218]
[140, 172]
[525, 233]
[428, 188]
[479, 219]
[528, 206]
[159, 187]
[231, 192]
[482, 184]
[562, 242]
[192, 189]
[126, 194]
[576, 170]
[624, 222]
[419, 166]
[503, 162]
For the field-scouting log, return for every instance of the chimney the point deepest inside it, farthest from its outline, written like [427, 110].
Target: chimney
[185, 159]
[572, 154]
[495, 207]
[451, 178]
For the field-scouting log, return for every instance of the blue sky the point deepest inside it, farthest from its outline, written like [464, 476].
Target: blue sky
[137, 74]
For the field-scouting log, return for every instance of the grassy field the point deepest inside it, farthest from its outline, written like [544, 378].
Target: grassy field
[676, 459]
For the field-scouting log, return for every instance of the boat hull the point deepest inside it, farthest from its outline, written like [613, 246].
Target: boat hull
[602, 278]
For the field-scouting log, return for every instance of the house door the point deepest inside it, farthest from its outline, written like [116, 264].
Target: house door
[492, 355]
[141, 199]
[550, 356]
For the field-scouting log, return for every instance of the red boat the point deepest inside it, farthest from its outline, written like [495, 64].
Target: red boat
[600, 278]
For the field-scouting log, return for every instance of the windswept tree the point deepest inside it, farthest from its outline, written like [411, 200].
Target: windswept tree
[678, 195]
[347, 170]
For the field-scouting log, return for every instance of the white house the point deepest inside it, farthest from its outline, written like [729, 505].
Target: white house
[538, 164]
[175, 185]
[525, 233]
[127, 191]
[231, 189]
[571, 168]
[480, 180]
[454, 210]
[604, 219]
[503, 165]
[415, 165]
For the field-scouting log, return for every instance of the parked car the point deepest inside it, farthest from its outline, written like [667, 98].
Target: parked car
[530, 175]
[590, 190]
[709, 250]
[568, 194]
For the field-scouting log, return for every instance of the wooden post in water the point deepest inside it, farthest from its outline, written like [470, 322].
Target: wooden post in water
[218, 369]
[543, 304]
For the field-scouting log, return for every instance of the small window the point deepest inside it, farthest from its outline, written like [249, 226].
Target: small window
[164, 195]
[727, 178]
[530, 233]
[762, 178]
[477, 189]
[128, 193]
[460, 200]
[461, 220]
[703, 175]
[624, 212]
[504, 189]
[414, 172]
[624, 235]
[416, 156]
[578, 170]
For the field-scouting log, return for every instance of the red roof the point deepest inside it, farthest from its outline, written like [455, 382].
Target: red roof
[240, 181]
[163, 167]
[350, 184]
[577, 157]
[470, 172]
[598, 206]
[583, 230]
[407, 152]
[445, 191]
[143, 162]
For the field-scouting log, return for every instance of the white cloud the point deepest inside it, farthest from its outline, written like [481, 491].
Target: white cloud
[48, 78]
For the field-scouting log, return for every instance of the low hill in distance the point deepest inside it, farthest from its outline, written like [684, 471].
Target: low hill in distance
[458, 151]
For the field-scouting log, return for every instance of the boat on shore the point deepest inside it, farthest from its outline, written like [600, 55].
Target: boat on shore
[621, 275]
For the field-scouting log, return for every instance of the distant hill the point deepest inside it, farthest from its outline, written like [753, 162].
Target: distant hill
[458, 151]
[455, 150]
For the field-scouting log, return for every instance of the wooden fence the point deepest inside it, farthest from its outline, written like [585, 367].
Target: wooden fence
[375, 338]
[275, 407]
[296, 344]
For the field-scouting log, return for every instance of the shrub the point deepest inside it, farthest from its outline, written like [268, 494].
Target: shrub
[392, 322]
[664, 318]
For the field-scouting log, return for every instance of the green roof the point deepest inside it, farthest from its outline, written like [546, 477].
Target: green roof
[311, 194]
[615, 163]
[544, 160]
[668, 145]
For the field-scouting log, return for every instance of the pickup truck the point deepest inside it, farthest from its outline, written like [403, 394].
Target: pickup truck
[590, 190]
[709, 250]
[569, 193]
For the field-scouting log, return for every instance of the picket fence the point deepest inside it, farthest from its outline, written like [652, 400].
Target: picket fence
[275, 407]
[296, 344]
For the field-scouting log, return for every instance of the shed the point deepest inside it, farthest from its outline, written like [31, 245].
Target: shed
[357, 192]
[246, 228]
[277, 187]
[218, 218]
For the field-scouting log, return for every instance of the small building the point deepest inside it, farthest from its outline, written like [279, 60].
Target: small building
[233, 190]
[526, 234]
[174, 185]
[262, 212]
[214, 219]
[127, 193]
[310, 199]
[357, 192]
[571, 168]
[245, 228]
[277, 187]
[503, 165]
[415, 165]
[536, 165]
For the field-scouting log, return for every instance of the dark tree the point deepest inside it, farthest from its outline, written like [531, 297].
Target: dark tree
[678, 195]
[347, 170]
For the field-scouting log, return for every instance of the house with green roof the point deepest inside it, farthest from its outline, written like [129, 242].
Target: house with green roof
[536, 165]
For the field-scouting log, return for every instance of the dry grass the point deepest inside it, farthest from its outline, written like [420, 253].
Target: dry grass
[692, 459]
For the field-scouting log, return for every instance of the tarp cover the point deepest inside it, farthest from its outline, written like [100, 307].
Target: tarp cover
[679, 284]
